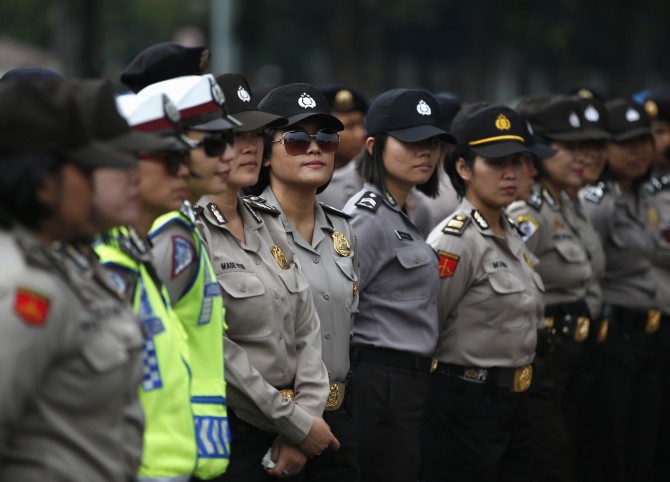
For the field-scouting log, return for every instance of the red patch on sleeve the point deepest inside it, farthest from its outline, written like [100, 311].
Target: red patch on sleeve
[448, 263]
[32, 307]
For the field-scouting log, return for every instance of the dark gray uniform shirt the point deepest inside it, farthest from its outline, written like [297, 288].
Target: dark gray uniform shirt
[398, 276]
[659, 189]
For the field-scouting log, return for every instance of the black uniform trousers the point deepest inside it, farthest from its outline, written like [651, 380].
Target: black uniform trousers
[474, 432]
[627, 387]
[663, 448]
[388, 409]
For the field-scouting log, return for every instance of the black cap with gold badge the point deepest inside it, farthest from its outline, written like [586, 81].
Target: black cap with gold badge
[345, 99]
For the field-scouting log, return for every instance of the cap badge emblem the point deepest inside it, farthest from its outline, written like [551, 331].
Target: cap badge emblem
[243, 94]
[651, 108]
[217, 94]
[306, 102]
[171, 111]
[585, 94]
[573, 120]
[423, 108]
[591, 114]
[632, 115]
[344, 100]
[503, 123]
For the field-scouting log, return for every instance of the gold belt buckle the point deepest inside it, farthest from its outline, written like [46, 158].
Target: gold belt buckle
[335, 396]
[653, 322]
[433, 365]
[582, 328]
[602, 331]
[523, 376]
[549, 322]
[288, 393]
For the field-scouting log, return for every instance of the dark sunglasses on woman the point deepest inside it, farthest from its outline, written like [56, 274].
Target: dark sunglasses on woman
[298, 142]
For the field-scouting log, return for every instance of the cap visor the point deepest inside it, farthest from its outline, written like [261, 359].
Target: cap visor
[597, 135]
[324, 120]
[98, 154]
[624, 136]
[141, 142]
[421, 133]
[568, 136]
[255, 119]
[501, 149]
[542, 151]
[219, 124]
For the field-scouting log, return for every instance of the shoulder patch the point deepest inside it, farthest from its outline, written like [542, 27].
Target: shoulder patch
[535, 200]
[369, 200]
[456, 225]
[595, 194]
[197, 210]
[526, 226]
[448, 263]
[183, 255]
[332, 210]
[32, 307]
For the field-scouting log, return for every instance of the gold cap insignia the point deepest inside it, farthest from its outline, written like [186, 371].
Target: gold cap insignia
[651, 108]
[344, 100]
[340, 243]
[585, 94]
[280, 257]
[503, 123]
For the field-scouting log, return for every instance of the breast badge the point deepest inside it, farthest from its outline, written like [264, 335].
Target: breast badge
[280, 257]
[340, 243]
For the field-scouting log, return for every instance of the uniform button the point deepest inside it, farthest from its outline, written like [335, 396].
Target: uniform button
[416, 260]
[258, 261]
[243, 288]
[327, 335]
[326, 296]
[276, 296]
[316, 260]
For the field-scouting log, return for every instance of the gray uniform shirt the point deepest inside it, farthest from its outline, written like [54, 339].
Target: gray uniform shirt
[490, 301]
[332, 279]
[441, 206]
[590, 239]
[563, 260]
[660, 191]
[398, 277]
[621, 219]
[70, 368]
[273, 338]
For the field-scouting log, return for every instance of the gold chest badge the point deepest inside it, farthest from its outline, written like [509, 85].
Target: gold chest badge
[340, 243]
[280, 257]
[652, 218]
[529, 262]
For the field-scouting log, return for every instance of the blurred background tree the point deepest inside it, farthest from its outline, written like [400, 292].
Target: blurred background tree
[487, 49]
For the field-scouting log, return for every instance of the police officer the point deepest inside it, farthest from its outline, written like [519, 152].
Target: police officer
[489, 305]
[566, 272]
[277, 383]
[298, 162]
[170, 450]
[71, 359]
[627, 377]
[396, 326]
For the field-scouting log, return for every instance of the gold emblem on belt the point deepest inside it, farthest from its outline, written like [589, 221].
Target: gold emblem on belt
[288, 393]
[653, 322]
[582, 328]
[335, 396]
[603, 330]
[523, 377]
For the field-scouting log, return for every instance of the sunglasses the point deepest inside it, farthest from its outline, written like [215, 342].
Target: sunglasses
[298, 142]
[173, 160]
[214, 143]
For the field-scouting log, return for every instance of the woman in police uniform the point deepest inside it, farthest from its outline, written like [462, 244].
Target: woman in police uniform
[628, 369]
[70, 356]
[489, 305]
[298, 163]
[277, 383]
[396, 326]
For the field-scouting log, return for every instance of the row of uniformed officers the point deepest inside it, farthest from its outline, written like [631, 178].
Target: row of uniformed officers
[176, 304]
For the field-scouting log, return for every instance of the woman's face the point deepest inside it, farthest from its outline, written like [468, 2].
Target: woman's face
[246, 163]
[208, 174]
[526, 179]
[566, 167]
[310, 169]
[595, 157]
[408, 164]
[492, 183]
[116, 201]
[162, 189]
[629, 160]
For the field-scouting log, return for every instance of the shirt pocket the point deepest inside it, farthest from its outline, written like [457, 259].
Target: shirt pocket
[571, 252]
[417, 270]
[294, 280]
[104, 353]
[507, 295]
[246, 306]
[349, 283]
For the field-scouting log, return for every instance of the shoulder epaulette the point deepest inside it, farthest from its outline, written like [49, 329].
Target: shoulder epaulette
[456, 225]
[216, 212]
[549, 198]
[187, 211]
[535, 200]
[197, 210]
[656, 184]
[332, 210]
[595, 193]
[514, 225]
[369, 200]
[260, 204]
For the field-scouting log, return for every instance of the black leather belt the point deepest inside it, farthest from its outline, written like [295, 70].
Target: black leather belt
[633, 319]
[389, 357]
[514, 379]
[571, 320]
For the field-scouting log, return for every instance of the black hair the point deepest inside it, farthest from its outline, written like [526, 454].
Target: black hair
[21, 177]
[371, 168]
[468, 155]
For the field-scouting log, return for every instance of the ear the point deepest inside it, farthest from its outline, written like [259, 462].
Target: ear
[463, 170]
[48, 190]
[369, 144]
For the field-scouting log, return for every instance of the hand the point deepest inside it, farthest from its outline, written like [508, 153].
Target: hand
[288, 459]
[318, 439]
